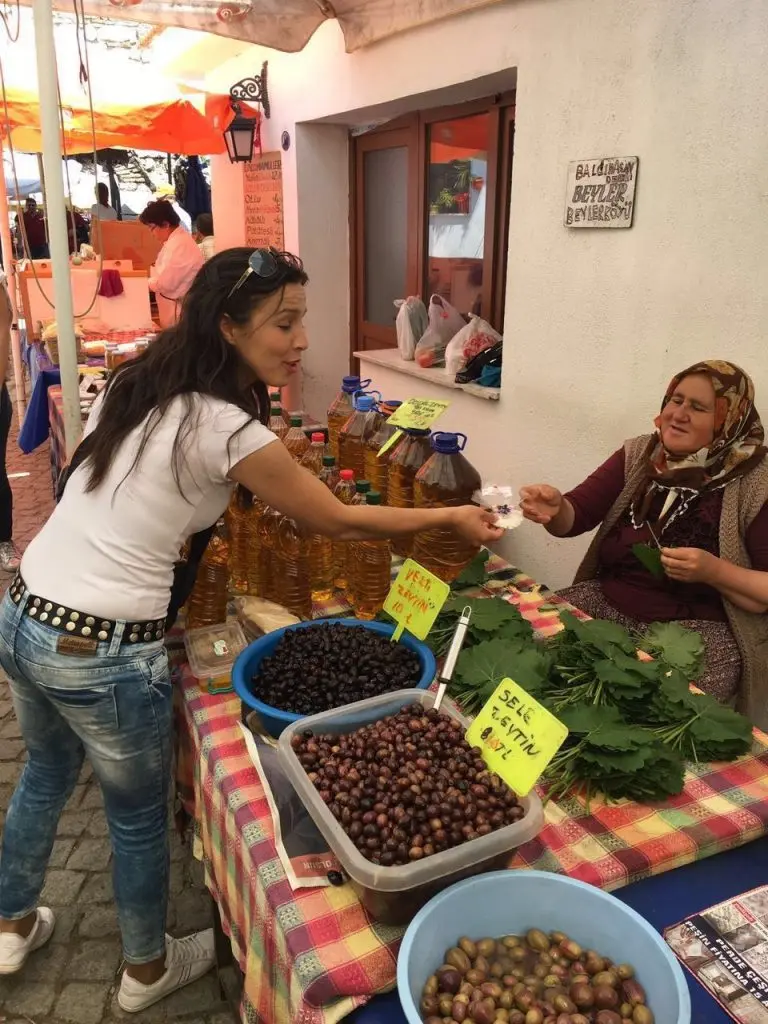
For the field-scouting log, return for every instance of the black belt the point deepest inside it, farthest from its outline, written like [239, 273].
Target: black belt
[71, 622]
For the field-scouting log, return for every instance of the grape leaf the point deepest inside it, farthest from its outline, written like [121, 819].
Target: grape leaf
[489, 614]
[650, 558]
[676, 646]
[588, 718]
[487, 662]
[474, 574]
[604, 636]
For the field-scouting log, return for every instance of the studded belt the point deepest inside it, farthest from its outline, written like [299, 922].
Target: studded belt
[74, 623]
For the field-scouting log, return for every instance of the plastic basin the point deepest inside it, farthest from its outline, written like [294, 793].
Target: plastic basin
[274, 720]
[511, 902]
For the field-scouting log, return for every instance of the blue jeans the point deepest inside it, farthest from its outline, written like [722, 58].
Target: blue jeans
[116, 707]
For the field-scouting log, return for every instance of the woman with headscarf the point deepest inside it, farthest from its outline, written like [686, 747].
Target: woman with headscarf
[697, 489]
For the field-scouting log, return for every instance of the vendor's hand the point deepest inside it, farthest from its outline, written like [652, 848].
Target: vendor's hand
[689, 565]
[476, 525]
[540, 503]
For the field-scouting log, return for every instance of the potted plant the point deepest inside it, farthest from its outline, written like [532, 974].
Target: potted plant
[446, 200]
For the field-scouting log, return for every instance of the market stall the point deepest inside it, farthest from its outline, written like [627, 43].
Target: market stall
[314, 954]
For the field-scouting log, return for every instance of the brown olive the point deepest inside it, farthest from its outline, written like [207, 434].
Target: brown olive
[564, 1005]
[482, 1014]
[534, 1016]
[502, 1015]
[475, 976]
[449, 980]
[497, 969]
[583, 996]
[633, 992]
[594, 963]
[486, 947]
[506, 1000]
[467, 946]
[625, 971]
[459, 1011]
[431, 986]
[607, 1017]
[606, 998]
[446, 1005]
[482, 963]
[538, 941]
[557, 937]
[579, 1018]
[516, 1017]
[510, 941]
[642, 1015]
[625, 1010]
[429, 1005]
[563, 1018]
[434, 1020]
[465, 989]
[491, 989]
[610, 978]
[458, 958]
[571, 950]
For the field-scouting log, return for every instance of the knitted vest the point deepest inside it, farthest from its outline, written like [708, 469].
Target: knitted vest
[743, 498]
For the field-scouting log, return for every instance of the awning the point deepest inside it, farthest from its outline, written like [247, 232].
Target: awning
[284, 25]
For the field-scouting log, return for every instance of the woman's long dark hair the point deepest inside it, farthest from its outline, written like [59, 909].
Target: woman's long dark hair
[191, 358]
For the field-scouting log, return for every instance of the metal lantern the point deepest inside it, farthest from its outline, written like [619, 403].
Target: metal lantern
[244, 132]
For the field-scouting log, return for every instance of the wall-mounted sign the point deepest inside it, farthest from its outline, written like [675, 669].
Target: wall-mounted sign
[263, 200]
[601, 193]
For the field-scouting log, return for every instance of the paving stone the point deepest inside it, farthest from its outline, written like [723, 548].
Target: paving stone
[74, 823]
[8, 983]
[177, 878]
[61, 850]
[31, 998]
[152, 1015]
[97, 827]
[46, 964]
[91, 855]
[200, 996]
[11, 729]
[66, 919]
[62, 887]
[225, 1017]
[193, 912]
[10, 749]
[99, 922]
[10, 771]
[98, 888]
[96, 961]
[82, 1002]
[92, 798]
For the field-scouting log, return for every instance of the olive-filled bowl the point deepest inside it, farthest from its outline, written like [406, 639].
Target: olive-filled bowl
[511, 903]
[273, 719]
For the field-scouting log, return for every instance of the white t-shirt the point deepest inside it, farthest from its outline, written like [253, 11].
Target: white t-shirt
[111, 552]
[103, 212]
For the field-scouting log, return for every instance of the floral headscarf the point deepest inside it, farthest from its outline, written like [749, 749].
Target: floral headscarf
[736, 449]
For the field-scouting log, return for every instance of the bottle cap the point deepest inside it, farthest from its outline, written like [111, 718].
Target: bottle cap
[364, 403]
[350, 385]
[296, 421]
[275, 410]
[347, 474]
[448, 444]
[416, 432]
[317, 437]
[363, 486]
[373, 498]
[328, 460]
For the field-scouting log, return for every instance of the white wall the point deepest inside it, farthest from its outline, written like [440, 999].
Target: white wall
[596, 321]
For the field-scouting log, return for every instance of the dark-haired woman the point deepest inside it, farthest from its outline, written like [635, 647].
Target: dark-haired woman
[698, 489]
[177, 262]
[81, 630]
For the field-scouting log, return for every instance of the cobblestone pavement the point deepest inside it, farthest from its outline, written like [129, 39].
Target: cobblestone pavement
[74, 978]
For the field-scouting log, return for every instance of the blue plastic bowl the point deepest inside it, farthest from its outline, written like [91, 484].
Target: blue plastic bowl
[248, 661]
[511, 902]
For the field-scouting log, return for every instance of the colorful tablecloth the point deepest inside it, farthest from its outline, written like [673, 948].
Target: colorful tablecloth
[311, 956]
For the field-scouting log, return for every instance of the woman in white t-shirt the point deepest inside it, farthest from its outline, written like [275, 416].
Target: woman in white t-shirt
[81, 630]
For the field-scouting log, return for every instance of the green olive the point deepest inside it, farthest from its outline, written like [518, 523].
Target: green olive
[510, 941]
[563, 1004]
[475, 976]
[534, 1016]
[506, 1000]
[482, 964]
[458, 958]
[446, 1005]
[502, 1014]
[431, 986]
[558, 937]
[467, 946]
[625, 971]
[538, 941]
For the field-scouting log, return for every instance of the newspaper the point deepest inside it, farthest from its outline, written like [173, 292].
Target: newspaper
[726, 949]
[302, 850]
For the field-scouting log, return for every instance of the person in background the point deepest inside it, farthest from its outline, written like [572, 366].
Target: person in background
[177, 262]
[34, 228]
[9, 559]
[77, 228]
[101, 209]
[168, 193]
[203, 235]
[696, 493]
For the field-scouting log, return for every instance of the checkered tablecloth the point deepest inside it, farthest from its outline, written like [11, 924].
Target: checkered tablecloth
[313, 955]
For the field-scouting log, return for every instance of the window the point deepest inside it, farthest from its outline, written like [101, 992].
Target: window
[430, 214]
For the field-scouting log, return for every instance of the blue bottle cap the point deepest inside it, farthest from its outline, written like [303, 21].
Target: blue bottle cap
[448, 444]
[364, 403]
[350, 385]
[416, 432]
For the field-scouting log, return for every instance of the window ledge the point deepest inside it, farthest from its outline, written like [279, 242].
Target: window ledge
[390, 359]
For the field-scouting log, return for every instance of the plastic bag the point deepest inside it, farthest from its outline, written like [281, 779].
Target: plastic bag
[444, 322]
[477, 336]
[411, 323]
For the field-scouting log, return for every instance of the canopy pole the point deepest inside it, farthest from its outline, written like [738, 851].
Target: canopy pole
[9, 265]
[57, 220]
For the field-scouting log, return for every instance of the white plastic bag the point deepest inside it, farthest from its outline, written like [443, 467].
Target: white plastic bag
[475, 337]
[444, 322]
[411, 323]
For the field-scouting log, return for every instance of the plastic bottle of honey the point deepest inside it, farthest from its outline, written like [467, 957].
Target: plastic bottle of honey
[237, 517]
[353, 436]
[341, 408]
[377, 467]
[295, 440]
[312, 459]
[409, 455]
[370, 574]
[345, 491]
[208, 602]
[447, 479]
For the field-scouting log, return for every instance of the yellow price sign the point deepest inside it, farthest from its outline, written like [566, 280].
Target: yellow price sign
[517, 736]
[415, 599]
[418, 413]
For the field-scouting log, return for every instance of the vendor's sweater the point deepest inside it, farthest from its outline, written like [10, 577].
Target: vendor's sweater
[743, 499]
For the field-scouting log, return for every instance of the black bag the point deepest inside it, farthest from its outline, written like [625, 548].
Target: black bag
[184, 573]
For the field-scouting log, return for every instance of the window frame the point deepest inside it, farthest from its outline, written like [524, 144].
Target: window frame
[412, 131]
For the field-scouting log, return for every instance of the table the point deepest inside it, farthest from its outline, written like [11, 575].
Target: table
[313, 956]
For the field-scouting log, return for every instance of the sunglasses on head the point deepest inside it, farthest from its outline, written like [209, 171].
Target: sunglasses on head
[265, 263]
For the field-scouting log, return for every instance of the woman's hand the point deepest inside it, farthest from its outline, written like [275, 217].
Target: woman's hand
[476, 525]
[540, 503]
[690, 565]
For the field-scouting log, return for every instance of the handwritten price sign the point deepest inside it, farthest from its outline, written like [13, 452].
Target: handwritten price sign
[415, 414]
[415, 599]
[518, 736]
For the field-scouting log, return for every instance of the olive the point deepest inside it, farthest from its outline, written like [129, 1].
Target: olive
[516, 1017]
[486, 947]
[558, 937]
[594, 963]
[642, 1015]
[523, 1000]
[563, 1004]
[502, 1015]
[625, 971]
[506, 1000]
[467, 946]
[434, 1020]
[606, 998]
[610, 978]
[563, 1018]
[538, 941]
[534, 1016]
[465, 989]
[510, 941]
[475, 976]
[429, 1005]
[459, 1011]
[491, 989]
[579, 1018]
[446, 1005]
[431, 986]
[497, 969]
[482, 1014]
[583, 996]
[458, 958]
[607, 1017]
[634, 993]
[571, 950]
[449, 979]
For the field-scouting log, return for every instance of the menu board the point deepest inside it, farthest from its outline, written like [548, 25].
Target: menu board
[263, 200]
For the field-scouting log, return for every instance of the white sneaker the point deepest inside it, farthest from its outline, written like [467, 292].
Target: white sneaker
[9, 557]
[186, 960]
[14, 949]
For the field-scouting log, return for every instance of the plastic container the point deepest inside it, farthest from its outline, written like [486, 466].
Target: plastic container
[393, 895]
[377, 469]
[277, 423]
[353, 436]
[405, 461]
[274, 720]
[292, 564]
[447, 479]
[212, 652]
[341, 408]
[295, 440]
[511, 902]
[312, 459]
[345, 491]
[208, 601]
[370, 572]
